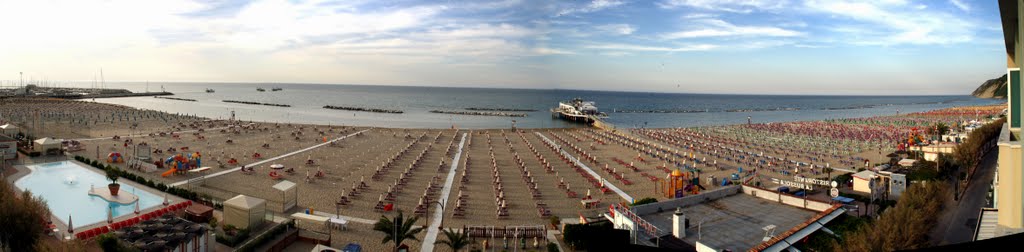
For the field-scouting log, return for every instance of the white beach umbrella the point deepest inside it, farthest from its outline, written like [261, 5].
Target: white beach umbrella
[166, 201]
[110, 215]
[137, 207]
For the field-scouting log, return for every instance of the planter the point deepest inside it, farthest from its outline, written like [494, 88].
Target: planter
[114, 188]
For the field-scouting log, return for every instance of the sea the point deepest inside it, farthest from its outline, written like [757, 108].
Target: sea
[624, 109]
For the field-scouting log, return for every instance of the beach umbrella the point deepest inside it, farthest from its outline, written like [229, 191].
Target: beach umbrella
[110, 215]
[71, 227]
[166, 202]
[137, 207]
[277, 166]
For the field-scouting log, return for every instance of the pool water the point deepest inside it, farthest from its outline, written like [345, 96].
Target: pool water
[65, 187]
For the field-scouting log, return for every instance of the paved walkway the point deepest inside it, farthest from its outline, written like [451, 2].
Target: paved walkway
[265, 160]
[428, 242]
[581, 164]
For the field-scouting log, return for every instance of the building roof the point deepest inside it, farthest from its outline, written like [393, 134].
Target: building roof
[735, 222]
[284, 185]
[865, 175]
[8, 126]
[46, 141]
[161, 234]
[244, 202]
[4, 138]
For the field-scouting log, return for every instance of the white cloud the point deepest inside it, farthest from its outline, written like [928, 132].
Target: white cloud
[629, 47]
[893, 23]
[961, 5]
[737, 6]
[617, 29]
[593, 6]
[719, 28]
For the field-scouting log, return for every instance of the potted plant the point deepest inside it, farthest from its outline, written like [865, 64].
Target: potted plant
[113, 186]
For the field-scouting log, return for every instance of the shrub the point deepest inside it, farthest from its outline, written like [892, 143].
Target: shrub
[552, 247]
[647, 200]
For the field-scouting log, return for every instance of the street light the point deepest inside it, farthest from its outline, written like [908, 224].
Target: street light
[441, 202]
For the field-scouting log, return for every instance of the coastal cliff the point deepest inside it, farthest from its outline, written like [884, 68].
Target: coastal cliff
[994, 88]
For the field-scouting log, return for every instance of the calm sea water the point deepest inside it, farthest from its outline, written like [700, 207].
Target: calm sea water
[307, 101]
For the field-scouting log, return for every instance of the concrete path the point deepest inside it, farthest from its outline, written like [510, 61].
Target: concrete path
[348, 218]
[435, 224]
[581, 164]
[265, 160]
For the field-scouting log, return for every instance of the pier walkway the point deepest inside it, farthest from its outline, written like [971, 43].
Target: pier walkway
[586, 168]
[428, 242]
[265, 160]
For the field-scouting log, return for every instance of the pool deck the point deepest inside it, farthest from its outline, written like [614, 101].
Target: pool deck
[23, 170]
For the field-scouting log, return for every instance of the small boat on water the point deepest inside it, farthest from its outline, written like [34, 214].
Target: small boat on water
[577, 110]
[260, 89]
[209, 90]
[276, 89]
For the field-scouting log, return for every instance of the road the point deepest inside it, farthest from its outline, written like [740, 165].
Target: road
[958, 219]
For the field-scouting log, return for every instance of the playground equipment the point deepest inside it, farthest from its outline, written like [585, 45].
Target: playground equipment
[678, 183]
[115, 157]
[182, 162]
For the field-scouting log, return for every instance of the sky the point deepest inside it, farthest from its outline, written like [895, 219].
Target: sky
[884, 47]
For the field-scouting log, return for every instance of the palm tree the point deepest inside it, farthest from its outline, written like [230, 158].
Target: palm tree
[397, 229]
[455, 240]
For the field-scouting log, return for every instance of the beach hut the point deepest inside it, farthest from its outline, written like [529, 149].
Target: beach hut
[46, 145]
[9, 129]
[244, 211]
[9, 147]
[289, 194]
[862, 181]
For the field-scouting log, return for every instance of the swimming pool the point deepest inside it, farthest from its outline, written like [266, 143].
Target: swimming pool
[65, 187]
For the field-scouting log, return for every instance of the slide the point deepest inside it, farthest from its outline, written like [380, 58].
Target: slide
[169, 172]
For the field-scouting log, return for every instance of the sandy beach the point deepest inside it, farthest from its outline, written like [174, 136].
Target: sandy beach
[504, 177]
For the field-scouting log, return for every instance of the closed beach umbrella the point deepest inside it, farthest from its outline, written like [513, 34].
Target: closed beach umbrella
[71, 227]
[137, 207]
[165, 199]
[110, 215]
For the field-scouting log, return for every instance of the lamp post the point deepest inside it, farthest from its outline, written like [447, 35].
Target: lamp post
[441, 202]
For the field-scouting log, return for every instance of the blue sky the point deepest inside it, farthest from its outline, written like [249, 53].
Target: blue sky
[702, 46]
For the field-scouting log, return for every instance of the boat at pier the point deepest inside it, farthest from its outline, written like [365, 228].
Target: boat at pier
[578, 110]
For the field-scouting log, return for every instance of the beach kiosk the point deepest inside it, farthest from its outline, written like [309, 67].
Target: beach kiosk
[244, 211]
[862, 181]
[46, 145]
[9, 147]
[9, 129]
[289, 194]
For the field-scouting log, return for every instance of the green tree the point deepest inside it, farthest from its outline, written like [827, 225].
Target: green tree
[454, 239]
[22, 219]
[904, 226]
[647, 200]
[397, 229]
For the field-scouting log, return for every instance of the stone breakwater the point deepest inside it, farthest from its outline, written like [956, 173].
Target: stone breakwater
[478, 113]
[373, 110]
[501, 109]
[174, 98]
[258, 103]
